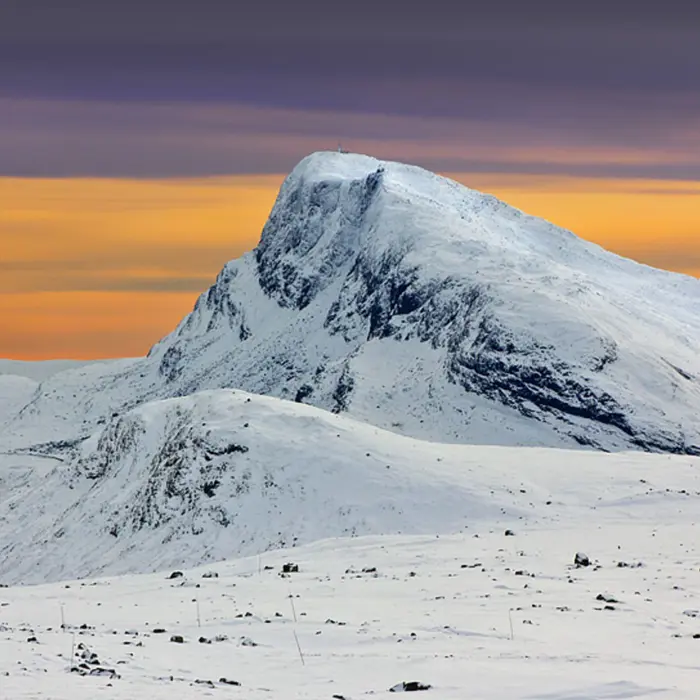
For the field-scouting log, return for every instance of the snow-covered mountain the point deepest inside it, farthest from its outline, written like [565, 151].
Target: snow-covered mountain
[399, 302]
[186, 481]
[413, 303]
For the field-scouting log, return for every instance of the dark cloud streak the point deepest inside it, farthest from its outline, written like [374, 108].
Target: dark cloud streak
[600, 73]
[229, 50]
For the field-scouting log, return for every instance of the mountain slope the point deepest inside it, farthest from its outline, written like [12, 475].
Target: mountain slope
[419, 305]
[15, 393]
[185, 481]
[38, 370]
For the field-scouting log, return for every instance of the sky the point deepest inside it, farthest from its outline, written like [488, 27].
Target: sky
[142, 143]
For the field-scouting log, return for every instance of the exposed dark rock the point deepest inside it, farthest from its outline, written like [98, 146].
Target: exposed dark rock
[104, 672]
[227, 681]
[304, 391]
[581, 559]
[409, 686]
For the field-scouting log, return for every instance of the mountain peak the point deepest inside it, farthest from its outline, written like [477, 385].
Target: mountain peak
[417, 304]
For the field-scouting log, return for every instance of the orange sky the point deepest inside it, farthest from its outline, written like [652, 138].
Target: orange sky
[103, 268]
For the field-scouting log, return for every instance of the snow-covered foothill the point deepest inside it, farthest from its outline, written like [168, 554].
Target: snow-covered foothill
[223, 473]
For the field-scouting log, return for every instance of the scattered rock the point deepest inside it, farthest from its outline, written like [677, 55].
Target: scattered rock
[509, 533]
[227, 681]
[581, 559]
[85, 670]
[626, 565]
[248, 642]
[204, 640]
[176, 574]
[290, 568]
[605, 598]
[106, 672]
[210, 574]
[409, 686]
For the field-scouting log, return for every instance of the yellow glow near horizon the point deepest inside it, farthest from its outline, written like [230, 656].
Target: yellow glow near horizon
[104, 267]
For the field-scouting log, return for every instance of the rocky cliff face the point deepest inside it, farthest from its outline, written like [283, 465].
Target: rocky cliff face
[413, 303]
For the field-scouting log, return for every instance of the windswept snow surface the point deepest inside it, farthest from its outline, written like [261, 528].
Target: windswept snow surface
[479, 616]
[413, 303]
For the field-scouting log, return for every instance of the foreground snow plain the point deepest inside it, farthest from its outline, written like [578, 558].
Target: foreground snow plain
[486, 617]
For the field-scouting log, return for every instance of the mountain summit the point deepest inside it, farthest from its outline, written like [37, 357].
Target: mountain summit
[416, 304]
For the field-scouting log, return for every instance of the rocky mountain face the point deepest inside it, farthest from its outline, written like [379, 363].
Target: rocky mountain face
[413, 303]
